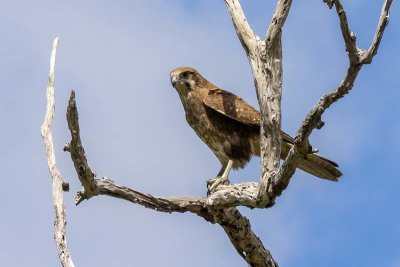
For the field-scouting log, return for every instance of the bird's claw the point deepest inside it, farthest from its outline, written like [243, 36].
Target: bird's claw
[212, 184]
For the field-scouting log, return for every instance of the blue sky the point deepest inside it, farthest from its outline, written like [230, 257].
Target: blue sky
[117, 56]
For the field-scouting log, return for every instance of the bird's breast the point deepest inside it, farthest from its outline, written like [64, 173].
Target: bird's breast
[227, 138]
[199, 120]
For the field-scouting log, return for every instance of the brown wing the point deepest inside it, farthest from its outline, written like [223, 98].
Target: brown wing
[237, 109]
[232, 106]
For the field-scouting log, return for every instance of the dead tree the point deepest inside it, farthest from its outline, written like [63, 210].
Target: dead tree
[265, 58]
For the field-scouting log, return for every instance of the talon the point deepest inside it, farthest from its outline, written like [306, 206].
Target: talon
[314, 150]
[212, 184]
[211, 181]
[222, 177]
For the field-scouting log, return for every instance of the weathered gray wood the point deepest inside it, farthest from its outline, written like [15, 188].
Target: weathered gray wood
[242, 237]
[58, 184]
[265, 58]
[357, 58]
[383, 22]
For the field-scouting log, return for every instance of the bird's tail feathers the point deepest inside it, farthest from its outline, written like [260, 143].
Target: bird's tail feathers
[320, 167]
[313, 164]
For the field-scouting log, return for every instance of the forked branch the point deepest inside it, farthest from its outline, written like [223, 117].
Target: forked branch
[267, 70]
[357, 58]
[265, 58]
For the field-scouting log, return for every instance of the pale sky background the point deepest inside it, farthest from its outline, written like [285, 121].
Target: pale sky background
[117, 55]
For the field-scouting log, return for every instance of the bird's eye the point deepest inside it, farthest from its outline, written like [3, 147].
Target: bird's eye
[185, 74]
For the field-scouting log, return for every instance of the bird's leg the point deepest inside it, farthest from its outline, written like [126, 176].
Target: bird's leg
[220, 173]
[221, 178]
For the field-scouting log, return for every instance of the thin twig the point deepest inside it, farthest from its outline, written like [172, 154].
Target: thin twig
[59, 184]
[349, 37]
[383, 22]
[85, 174]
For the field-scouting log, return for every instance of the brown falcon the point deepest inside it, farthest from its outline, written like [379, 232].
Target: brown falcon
[231, 127]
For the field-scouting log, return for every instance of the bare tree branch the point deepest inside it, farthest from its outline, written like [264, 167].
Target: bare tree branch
[348, 36]
[59, 184]
[217, 208]
[245, 33]
[311, 122]
[265, 58]
[85, 174]
[246, 243]
[268, 81]
[267, 71]
[278, 20]
[313, 118]
[383, 22]
[269, 92]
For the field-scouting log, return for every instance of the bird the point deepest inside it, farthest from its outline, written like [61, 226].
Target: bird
[230, 127]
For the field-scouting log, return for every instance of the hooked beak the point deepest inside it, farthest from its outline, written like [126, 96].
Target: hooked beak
[174, 81]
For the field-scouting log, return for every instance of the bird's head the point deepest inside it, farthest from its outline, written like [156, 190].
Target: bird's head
[186, 79]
